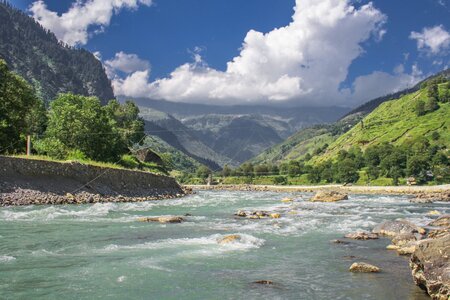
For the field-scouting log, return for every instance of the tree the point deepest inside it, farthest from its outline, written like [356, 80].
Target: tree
[18, 108]
[261, 170]
[432, 104]
[347, 171]
[126, 118]
[203, 172]
[433, 91]
[417, 166]
[80, 123]
[226, 171]
[420, 108]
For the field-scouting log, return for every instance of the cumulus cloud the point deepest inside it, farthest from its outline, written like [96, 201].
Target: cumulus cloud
[127, 63]
[304, 62]
[378, 84]
[73, 26]
[434, 40]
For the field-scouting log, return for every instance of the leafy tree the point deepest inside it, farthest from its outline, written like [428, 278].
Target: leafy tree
[81, 123]
[432, 104]
[126, 119]
[420, 108]
[226, 171]
[261, 170]
[18, 109]
[203, 172]
[435, 136]
[347, 171]
[433, 91]
[417, 166]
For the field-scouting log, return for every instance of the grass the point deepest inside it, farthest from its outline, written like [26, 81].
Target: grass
[127, 162]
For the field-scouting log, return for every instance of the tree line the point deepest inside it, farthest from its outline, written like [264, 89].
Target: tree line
[71, 125]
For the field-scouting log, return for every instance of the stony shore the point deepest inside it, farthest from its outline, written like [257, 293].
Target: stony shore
[26, 182]
[396, 190]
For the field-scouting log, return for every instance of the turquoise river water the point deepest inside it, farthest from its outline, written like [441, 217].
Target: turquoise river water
[100, 251]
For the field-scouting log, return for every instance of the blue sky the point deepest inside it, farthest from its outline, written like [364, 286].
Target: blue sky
[179, 49]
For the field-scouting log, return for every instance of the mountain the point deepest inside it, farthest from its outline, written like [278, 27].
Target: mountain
[396, 122]
[46, 63]
[296, 117]
[314, 140]
[174, 133]
[228, 134]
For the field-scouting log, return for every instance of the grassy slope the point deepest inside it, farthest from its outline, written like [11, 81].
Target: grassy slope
[395, 122]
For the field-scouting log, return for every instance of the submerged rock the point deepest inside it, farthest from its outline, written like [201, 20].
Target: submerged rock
[339, 242]
[430, 264]
[229, 239]
[275, 215]
[163, 219]
[360, 267]
[329, 196]
[264, 282]
[362, 235]
[394, 228]
[287, 200]
[392, 247]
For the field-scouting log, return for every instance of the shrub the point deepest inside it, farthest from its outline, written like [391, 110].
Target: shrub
[51, 147]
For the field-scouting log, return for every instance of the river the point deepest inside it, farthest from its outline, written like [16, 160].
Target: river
[100, 251]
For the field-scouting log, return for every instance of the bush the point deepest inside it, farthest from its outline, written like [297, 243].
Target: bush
[129, 162]
[51, 147]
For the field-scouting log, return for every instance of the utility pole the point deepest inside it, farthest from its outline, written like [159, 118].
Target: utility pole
[28, 145]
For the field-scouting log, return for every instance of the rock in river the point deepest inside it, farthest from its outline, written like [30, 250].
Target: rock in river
[443, 221]
[163, 219]
[430, 264]
[360, 267]
[229, 239]
[362, 235]
[394, 228]
[329, 196]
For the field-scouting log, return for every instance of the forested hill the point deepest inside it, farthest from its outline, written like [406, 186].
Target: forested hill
[47, 64]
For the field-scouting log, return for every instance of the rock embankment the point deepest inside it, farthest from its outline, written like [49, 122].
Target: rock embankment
[29, 181]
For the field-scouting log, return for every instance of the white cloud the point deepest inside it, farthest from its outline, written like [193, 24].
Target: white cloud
[378, 84]
[433, 40]
[305, 61]
[73, 26]
[127, 63]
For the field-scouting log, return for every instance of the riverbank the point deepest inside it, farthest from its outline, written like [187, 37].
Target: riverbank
[391, 190]
[24, 182]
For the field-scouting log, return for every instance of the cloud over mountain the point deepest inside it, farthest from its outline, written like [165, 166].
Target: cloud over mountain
[73, 27]
[305, 61]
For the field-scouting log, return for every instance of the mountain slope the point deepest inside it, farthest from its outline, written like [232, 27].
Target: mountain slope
[396, 122]
[312, 140]
[180, 137]
[49, 66]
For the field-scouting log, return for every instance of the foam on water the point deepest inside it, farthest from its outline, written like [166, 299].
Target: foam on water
[6, 259]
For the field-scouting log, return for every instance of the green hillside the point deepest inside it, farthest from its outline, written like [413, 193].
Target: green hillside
[310, 141]
[396, 122]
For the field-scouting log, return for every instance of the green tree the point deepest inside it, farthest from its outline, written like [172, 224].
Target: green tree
[203, 172]
[347, 171]
[420, 108]
[432, 104]
[261, 170]
[80, 123]
[126, 119]
[18, 110]
[226, 171]
[417, 166]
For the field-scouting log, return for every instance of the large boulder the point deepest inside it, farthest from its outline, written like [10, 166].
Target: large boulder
[148, 156]
[329, 196]
[362, 235]
[403, 239]
[360, 267]
[394, 228]
[443, 221]
[430, 264]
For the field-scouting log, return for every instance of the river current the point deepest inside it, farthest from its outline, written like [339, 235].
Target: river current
[101, 251]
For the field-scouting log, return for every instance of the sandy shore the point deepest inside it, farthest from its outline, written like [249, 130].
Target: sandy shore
[405, 190]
